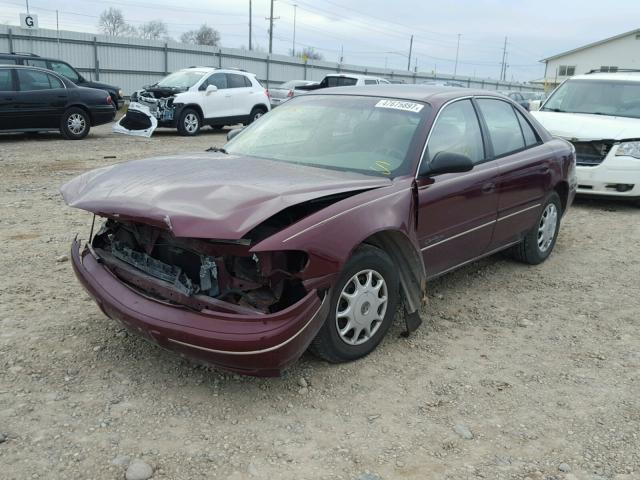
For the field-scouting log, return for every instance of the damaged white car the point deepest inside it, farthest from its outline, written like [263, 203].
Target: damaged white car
[599, 113]
[193, 97]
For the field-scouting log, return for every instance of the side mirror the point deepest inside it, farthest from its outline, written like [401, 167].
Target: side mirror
[449, 162]
[233, 133]
[211, 89]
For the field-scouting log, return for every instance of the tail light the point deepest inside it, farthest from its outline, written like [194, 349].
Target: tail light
[109, 100]
[268, 94]
[290, 94]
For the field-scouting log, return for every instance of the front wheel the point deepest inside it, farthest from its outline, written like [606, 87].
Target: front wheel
[189, 122]
[363, 304]
[539, 242]
[75, 124]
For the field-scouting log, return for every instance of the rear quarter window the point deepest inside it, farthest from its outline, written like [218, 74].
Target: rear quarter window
[6, 83]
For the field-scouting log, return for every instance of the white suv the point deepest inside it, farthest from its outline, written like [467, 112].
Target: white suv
[600, 114]
[197, 96]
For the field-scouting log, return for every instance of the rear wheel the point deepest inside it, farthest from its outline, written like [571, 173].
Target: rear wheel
[363, 304]
[539, 242]
[75, 124]
[189, 122]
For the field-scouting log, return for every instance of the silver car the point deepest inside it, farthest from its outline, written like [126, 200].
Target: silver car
[287, 90]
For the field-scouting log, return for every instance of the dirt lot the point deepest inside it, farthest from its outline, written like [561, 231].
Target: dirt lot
[538, 366]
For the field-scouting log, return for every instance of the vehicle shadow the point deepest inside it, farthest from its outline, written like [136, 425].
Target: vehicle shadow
[606, 204]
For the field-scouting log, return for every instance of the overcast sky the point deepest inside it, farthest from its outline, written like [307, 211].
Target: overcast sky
[376, 32]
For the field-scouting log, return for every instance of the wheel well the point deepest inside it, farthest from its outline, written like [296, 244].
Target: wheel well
[84, 108]
[261, 106]
[195, 107]
[409, 262]
[562, 189]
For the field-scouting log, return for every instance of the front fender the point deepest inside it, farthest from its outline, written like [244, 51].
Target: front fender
[331, 235]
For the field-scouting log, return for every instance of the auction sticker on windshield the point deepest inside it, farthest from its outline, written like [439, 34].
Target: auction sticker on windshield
[400, 105]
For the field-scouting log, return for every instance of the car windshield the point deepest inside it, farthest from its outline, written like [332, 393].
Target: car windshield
[599, 97]
[369, 135]
[182, 79]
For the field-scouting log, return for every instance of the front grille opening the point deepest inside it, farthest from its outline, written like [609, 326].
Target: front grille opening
[620, 187]
[585, 187]
[591, 154]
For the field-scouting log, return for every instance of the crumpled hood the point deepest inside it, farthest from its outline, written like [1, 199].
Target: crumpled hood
[586, 127]
[209, 195]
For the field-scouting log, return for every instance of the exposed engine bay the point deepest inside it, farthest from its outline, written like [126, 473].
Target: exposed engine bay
[197, 273]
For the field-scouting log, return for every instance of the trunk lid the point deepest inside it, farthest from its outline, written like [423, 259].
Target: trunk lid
[209, 195]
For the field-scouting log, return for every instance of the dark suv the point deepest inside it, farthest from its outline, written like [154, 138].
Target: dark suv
[61, 68]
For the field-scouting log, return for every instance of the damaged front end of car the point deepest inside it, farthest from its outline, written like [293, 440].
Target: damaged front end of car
[148, 109]
[200, 274]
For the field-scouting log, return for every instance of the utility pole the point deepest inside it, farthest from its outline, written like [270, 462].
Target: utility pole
[341, 54]
[250, 16]
[271, 19]
[455, 68]
[410, 52]
[295, 8]
[504, 56]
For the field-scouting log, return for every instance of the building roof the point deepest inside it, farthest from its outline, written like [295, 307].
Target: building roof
[589, 45]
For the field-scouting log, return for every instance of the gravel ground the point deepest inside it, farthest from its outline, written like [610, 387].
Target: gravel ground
[520, 372]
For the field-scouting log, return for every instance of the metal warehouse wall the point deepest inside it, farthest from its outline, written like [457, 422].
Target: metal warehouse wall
[132, 62]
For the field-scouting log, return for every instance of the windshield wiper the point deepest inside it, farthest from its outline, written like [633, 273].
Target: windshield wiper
[558, 110]
[216, 149]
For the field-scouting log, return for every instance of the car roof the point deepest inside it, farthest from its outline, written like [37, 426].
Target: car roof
[353, 75]
[420, 93]
[204, 70]
[623, 76]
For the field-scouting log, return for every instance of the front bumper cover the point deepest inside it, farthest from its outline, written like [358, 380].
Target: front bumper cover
[260, 345]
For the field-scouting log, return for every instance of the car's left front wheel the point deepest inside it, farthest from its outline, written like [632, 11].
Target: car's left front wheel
[363, 304]
[75, 124]
[189, 122]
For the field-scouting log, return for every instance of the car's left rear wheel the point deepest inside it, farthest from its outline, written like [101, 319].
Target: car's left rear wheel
[75, 124]
[363, 304]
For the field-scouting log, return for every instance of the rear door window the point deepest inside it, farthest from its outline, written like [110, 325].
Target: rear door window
[7, 61]
[65, 70]
[6, 81]
[235, 81]
[502, 123]
[370, 82]
[30, 80]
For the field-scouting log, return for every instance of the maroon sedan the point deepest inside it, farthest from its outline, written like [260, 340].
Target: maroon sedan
[318, 221]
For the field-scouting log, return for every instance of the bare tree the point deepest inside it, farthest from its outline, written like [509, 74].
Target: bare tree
[205, 35]
[112, 22]
[307, 53]
[153, 30]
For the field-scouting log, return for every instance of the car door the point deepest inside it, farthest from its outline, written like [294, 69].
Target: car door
[525, 169]
[40, 100]
[457, 211]
[218, 104]
[7, 99]
[242, 100]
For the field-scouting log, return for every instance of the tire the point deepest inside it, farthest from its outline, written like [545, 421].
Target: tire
[537, 245]
[189, 122]
[335, 347]
[256, 113]
[75, 124]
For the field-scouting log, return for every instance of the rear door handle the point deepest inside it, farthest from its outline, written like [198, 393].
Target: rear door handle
[488, 187]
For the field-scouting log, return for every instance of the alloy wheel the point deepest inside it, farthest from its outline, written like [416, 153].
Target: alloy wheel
[361, 307]
[191, 122]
